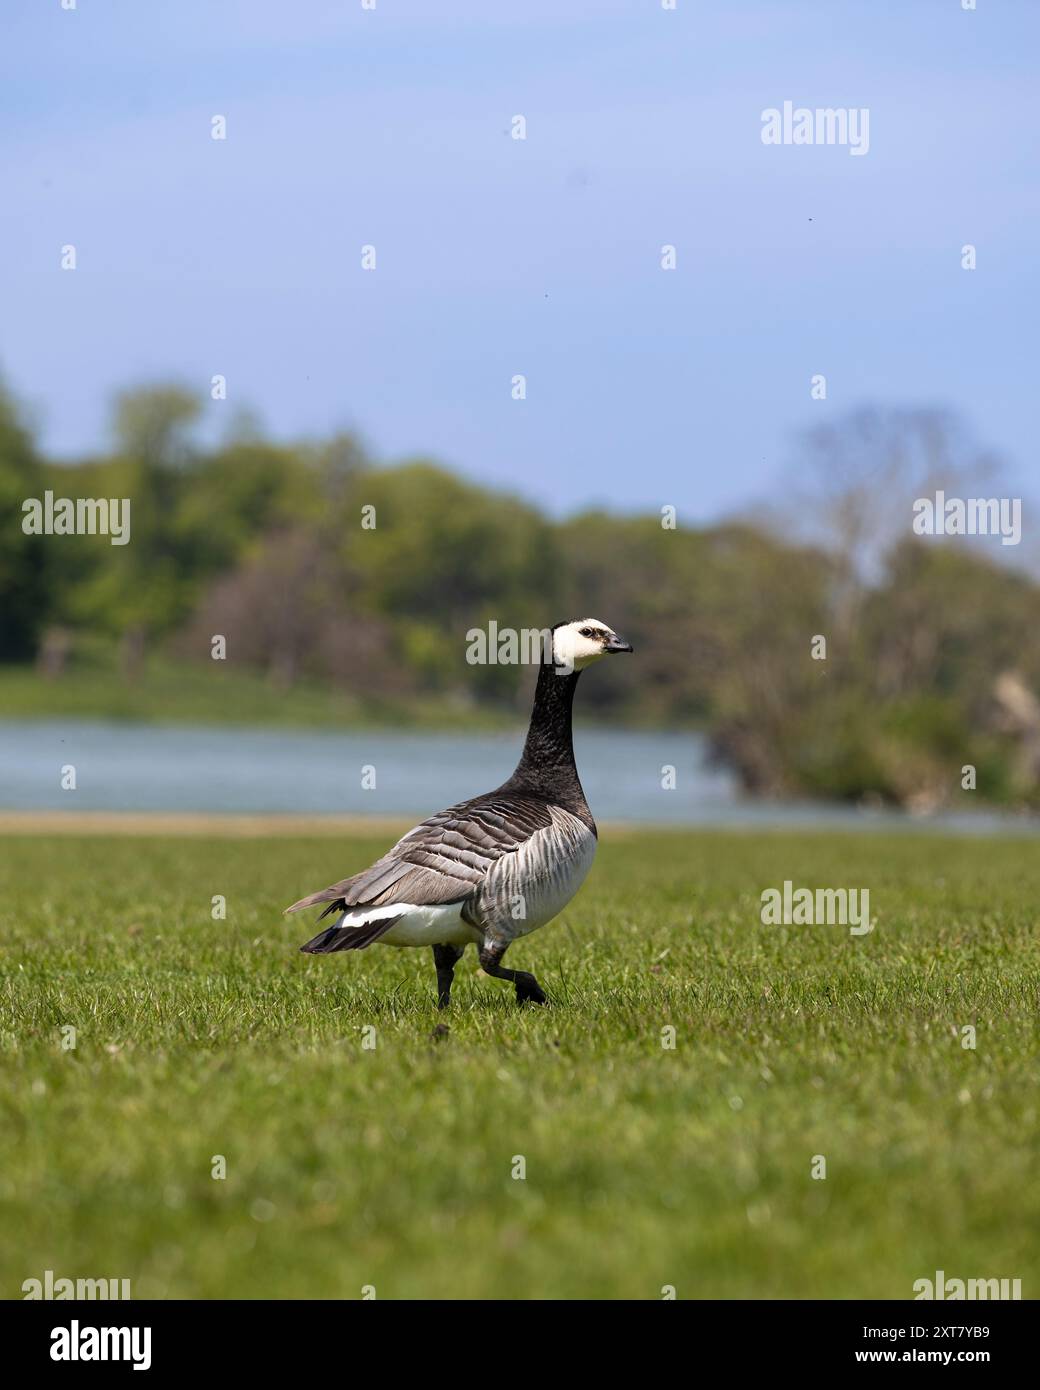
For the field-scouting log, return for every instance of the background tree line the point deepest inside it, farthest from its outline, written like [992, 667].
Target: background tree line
[931, 658]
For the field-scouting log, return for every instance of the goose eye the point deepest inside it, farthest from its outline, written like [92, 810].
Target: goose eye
[587, 632]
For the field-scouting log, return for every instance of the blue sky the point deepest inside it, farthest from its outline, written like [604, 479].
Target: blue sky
[498, 256]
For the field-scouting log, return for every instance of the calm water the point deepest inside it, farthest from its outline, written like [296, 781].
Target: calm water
[129, 767]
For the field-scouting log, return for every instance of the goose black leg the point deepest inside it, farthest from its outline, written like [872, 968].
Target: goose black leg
[445, 958]
[528, 989]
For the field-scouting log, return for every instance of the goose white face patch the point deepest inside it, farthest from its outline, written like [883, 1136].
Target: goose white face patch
[576, 645]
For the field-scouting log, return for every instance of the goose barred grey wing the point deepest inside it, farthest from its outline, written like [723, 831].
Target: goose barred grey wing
[444, 859]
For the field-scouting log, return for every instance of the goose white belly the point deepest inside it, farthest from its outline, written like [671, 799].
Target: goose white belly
[420, 924]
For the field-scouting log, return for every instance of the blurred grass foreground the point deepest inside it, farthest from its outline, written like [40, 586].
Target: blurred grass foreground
[343, 593]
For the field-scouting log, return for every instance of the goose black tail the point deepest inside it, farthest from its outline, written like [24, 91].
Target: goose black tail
[348, 938]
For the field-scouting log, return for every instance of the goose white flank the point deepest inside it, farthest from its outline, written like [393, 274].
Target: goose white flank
[494, 868]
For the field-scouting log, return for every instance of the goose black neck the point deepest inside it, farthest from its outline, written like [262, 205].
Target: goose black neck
[547, 765]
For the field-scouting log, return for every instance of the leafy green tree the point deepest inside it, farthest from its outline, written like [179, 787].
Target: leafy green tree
[445, 556]
[26, 575]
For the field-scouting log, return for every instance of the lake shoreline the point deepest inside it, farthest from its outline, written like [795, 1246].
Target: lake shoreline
[277, 825]
[84, 776]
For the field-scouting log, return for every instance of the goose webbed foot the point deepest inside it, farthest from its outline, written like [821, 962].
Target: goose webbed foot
[528, 990]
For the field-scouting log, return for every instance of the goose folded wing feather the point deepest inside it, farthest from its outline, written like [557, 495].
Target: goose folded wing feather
[444, 859]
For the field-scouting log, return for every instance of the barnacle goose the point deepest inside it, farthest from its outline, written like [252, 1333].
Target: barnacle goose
[494, 868]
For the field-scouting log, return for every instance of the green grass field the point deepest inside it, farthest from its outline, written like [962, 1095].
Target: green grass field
[645, 1167]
